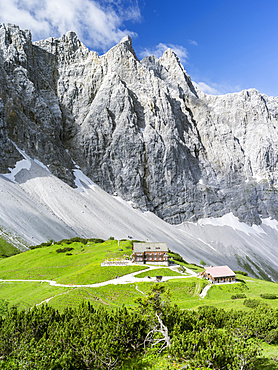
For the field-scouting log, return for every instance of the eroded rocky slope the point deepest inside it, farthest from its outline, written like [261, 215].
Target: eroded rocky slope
[137, 128]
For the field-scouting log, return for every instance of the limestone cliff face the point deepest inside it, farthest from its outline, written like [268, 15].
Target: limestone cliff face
[137, 128]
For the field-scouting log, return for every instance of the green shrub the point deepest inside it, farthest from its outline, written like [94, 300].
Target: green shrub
[96, 240]
[251, 303]
[3, 307]
[241, 273]
[238, 296]
[63, 250]
[76, 239]
[242, 282]
[269, 296]
[46, 244]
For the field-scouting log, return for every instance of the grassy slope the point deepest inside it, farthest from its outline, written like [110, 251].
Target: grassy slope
[268, 359]
[110, 296]
[158, 272]
[81, 267]
[26, 295]
[252, 288]
[6, 249]
[184, 293]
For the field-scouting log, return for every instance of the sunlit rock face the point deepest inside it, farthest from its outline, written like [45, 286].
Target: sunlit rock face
[137, 128]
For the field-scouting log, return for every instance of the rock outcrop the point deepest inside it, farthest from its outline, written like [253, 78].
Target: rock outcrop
[138, 129]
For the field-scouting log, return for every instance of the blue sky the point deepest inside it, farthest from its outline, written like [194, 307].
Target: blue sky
[225, 45]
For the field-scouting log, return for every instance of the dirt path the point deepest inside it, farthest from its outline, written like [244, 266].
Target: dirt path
[197, 288]
[125, 279]
[207, 287]
[205, 291]
[140, 291]
[49, 299]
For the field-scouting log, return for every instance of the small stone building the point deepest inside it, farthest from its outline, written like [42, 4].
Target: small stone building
[150, 253]
[219, 274]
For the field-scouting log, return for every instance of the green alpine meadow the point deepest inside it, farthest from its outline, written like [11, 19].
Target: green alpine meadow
[62, 307]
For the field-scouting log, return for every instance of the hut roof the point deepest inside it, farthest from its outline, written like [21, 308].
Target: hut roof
[219, 271]
[150, 247]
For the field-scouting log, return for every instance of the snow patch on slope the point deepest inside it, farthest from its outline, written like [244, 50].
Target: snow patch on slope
[82, 182]
[23, 164]
[233, 222]
[270, 222]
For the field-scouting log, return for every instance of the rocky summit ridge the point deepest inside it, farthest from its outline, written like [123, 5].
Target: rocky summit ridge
[138, 129]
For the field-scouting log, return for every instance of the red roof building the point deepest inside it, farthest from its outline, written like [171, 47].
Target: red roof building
[219, 274]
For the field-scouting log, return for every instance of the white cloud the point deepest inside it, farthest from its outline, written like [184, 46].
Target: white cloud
[206, 88]
[159, 49]
[192, 42]
[97, 23]
[216, 88]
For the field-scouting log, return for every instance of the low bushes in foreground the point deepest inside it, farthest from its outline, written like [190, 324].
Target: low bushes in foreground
[89, 338]
[251, 303]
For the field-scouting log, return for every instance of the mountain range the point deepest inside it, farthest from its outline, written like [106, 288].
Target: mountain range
[113, 146]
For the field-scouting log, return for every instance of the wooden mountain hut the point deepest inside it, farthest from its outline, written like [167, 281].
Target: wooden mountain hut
[219, 274]
[156, 253]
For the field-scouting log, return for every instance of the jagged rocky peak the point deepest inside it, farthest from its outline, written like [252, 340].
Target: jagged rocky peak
[10, 33]
[138, 128]
[15, 45]
[170, 69]
[126, 40]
